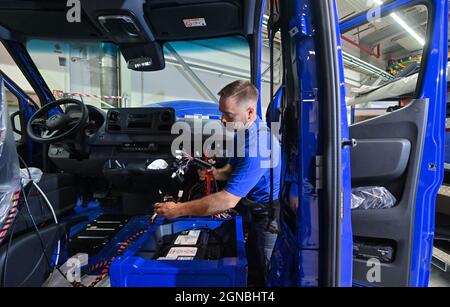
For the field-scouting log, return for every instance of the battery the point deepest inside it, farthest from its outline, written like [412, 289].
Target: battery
[96, 235]
[188, 252]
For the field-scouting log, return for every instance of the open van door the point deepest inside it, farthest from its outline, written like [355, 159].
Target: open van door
[314, 247]
[401, 153]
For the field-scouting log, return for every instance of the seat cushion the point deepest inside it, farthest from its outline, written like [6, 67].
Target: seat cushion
[26, 265]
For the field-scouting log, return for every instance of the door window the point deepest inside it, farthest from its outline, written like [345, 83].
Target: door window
[382, 59]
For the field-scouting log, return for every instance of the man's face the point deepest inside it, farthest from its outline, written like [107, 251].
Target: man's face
[233, 112]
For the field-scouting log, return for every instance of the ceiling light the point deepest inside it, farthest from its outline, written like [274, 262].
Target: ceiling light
[405, 26]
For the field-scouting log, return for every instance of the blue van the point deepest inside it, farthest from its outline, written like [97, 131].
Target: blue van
[98, 105]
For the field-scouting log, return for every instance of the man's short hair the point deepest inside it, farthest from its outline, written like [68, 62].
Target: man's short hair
[243, 90]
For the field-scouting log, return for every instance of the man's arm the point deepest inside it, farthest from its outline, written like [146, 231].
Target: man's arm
[209, 205]
[221, 174]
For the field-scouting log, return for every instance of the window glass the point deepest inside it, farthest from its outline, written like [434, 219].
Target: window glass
[382, 60]
[98, 74]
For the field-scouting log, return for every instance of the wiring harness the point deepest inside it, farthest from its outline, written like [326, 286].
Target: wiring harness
[106, 264]
[199, 190]
[10, 218]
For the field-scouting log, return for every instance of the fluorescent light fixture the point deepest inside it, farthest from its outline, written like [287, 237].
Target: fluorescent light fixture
[405, 26]
[408, 28]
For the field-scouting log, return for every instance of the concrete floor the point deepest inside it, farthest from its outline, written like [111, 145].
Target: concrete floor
[439, 278]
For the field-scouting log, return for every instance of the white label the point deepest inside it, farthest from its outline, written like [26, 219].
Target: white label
[190, 239]
[176, 252]
[185, 258]
[194, 22]
[195, 233]
[186, 240]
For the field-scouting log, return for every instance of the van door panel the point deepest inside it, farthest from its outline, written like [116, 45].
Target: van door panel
[391, 152]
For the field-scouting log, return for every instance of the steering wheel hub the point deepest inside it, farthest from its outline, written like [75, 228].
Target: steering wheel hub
[57, 122]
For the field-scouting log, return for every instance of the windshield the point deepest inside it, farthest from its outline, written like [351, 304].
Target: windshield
[97, 73]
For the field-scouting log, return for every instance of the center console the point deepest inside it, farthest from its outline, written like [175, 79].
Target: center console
[140, 120]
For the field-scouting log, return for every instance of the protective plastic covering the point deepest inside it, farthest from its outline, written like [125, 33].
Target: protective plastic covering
[372, 198]
[30, 174]
[158, 165]
[9, 163]
[397, 88]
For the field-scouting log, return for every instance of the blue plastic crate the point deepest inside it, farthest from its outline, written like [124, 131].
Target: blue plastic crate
[134, 269]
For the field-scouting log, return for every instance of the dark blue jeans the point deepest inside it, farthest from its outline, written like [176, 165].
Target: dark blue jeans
[261, 226]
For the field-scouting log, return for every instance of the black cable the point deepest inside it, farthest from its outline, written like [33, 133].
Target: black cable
[26, 166]
[216, 186]
[29, 175]
[5, 263]
[195, 187]
[44, 248]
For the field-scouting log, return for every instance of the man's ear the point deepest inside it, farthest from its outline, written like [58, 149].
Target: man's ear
[251, 110]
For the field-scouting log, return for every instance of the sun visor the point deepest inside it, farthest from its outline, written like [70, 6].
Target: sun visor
[176, 20]
[125, 24]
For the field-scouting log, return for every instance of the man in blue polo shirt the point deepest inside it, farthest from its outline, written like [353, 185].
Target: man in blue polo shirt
[248, 175]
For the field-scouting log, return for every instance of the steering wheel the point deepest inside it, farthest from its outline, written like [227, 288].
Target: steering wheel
[57, 127]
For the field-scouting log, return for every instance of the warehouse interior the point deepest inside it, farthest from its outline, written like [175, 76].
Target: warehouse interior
[384, 52]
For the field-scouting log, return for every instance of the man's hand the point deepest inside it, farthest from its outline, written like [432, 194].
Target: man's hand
[168, 210]
[203, 172]
[208, 205]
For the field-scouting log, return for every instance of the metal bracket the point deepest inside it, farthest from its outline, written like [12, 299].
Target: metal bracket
[440, 259]
[301, 27]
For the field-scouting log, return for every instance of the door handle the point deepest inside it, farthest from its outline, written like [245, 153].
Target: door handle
[13, 123]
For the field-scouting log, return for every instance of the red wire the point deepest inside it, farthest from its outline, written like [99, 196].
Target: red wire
[207, 180]
[106, 265]
[10, 218]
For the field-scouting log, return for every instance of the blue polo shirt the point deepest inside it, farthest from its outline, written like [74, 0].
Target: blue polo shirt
[251, 173]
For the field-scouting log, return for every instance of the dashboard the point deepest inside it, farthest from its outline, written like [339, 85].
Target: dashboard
[125, 134]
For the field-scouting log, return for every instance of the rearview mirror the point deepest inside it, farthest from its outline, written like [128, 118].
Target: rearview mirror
[143, 57]
[140, 64]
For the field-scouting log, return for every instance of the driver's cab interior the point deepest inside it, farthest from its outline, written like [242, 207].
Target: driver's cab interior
[97, 150]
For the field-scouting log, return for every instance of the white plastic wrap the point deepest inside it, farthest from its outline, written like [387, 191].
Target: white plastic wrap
[9, 162]
[35, 173]
[397, 88]
[158, 165]
[372, 198]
